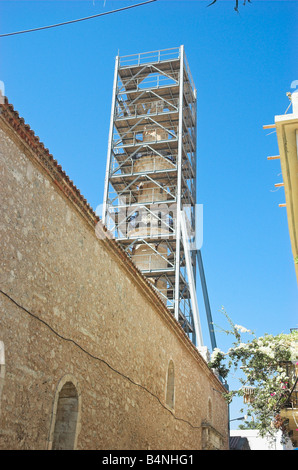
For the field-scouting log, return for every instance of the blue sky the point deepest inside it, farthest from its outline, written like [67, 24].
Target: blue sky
[60, 81]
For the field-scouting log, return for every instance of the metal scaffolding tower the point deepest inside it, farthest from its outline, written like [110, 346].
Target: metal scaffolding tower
[150, 184]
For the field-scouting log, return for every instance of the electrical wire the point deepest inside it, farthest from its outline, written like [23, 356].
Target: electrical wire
[100, 360]
[77, 20]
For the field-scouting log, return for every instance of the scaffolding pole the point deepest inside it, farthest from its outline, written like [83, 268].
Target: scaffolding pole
[206, 299]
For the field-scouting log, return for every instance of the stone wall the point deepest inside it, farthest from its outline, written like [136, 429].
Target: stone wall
[77, 315]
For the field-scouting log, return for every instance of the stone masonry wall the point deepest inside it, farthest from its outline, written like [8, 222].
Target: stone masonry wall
[74, 309]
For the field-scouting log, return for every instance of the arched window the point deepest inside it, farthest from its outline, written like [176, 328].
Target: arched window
[65, 424]
[170, 393]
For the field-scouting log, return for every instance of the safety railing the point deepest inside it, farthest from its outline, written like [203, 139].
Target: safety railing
[155, 221]
[152, 262]
[152, 80]
[189, 73]
[153, 135]
[126, 166]
[124, 109]
[139, 194]
[149, 57]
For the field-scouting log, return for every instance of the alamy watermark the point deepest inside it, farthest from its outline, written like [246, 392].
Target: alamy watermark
[158, 221]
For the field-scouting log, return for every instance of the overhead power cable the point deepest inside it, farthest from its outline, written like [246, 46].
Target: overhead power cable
[77, 20]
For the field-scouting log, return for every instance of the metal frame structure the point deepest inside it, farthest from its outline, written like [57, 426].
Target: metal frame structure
[150, 183]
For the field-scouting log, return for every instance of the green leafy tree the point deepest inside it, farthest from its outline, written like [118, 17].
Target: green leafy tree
[269, 367]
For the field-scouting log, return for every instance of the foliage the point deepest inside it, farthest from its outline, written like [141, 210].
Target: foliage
[263, 364]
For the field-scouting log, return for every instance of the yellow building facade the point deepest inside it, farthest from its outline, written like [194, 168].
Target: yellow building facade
[287, 136]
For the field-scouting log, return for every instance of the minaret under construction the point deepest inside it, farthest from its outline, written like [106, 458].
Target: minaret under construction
[150, 184]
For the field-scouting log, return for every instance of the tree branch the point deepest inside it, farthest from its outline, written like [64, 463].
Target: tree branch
[236, 8]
